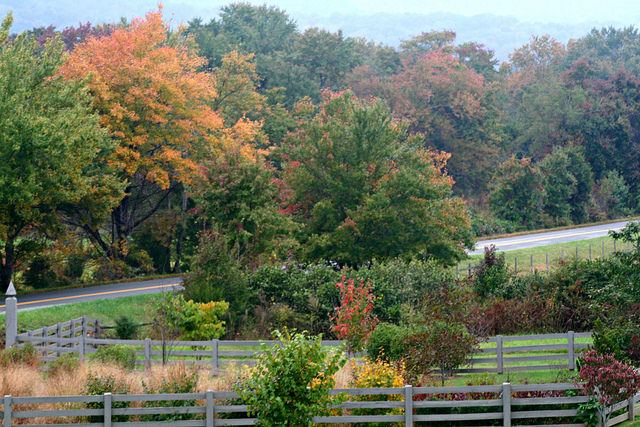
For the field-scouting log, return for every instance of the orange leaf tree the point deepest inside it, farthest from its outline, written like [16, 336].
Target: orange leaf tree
[156, 103]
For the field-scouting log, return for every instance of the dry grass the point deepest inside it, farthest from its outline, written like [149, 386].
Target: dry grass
[24, 380]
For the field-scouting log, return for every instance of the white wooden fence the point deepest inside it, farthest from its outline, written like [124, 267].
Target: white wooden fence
[483, 405]
[81, 336]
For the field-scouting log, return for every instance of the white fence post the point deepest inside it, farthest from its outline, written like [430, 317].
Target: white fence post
[210, 420]
[570, 350]
[11, 316]
[408, 405]
[499, 354]
[107, 409]
[7, 411]
[506, 404]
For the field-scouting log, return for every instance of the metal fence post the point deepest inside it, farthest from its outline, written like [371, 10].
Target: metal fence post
[210, 420]
[107, 409]
[214, 356]
[614, 245]
[515, 263]
[589, 251]
[7, 411]
[506, 404]
[147, 353]
[11, 316]
[500, 361]
[532, 263]
[457, 271]
[408, 405]
[603, 249]
[571, 350]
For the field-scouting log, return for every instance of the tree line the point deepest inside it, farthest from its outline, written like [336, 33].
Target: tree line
[131, 148]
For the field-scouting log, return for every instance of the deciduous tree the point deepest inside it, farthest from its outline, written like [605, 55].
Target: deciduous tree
[363, 189]
[52, 149]
[156, 103]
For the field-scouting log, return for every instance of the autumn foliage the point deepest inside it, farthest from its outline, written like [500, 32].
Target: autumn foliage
[151, 98]
[354, 320]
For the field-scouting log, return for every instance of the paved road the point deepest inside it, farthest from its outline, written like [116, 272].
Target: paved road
[117, 290]
[548, 238]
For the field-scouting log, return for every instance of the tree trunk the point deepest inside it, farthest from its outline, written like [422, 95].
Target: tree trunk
[181, 230]
[6, 269]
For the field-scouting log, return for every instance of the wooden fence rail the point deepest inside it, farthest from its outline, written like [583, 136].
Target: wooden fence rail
[484, 405]
[504, 354]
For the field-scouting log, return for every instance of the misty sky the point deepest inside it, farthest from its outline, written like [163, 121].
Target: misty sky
[621, 12]
[502, 25]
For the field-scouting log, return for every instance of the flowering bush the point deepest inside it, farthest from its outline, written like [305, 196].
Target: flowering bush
[354, 320]
[608, 380]
[378, 374]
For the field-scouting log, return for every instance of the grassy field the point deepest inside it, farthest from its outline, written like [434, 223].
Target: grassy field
[107, 310]
[539, 256]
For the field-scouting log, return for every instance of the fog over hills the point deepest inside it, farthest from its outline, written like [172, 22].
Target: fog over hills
[499, 24]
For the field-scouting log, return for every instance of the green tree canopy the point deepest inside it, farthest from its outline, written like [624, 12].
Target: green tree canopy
[363, 189]
[52, 149]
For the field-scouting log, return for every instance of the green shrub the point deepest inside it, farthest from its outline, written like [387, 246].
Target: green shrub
[387, 342]
[178, 381]
[491, 273]
[301, 294]
[622, 340]
[40, 274]
[23, 355]
[121, 355]
[108, 384]
[290, 384]
[126, 328]
[216, 275]
[66, 363]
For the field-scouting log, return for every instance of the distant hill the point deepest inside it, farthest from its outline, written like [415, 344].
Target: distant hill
[500, 33]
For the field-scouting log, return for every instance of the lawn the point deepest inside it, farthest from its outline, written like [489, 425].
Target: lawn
[106, 310]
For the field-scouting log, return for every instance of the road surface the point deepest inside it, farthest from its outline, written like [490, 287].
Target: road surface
[548, 238]
[68, 296]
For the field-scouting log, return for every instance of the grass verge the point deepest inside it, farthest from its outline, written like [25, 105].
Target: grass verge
[106, 310]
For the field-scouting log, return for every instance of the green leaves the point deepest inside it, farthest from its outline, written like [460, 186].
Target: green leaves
[52, 150]
[290, 384]
[363, 189]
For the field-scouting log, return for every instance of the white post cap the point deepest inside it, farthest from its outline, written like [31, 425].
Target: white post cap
[11, 290]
